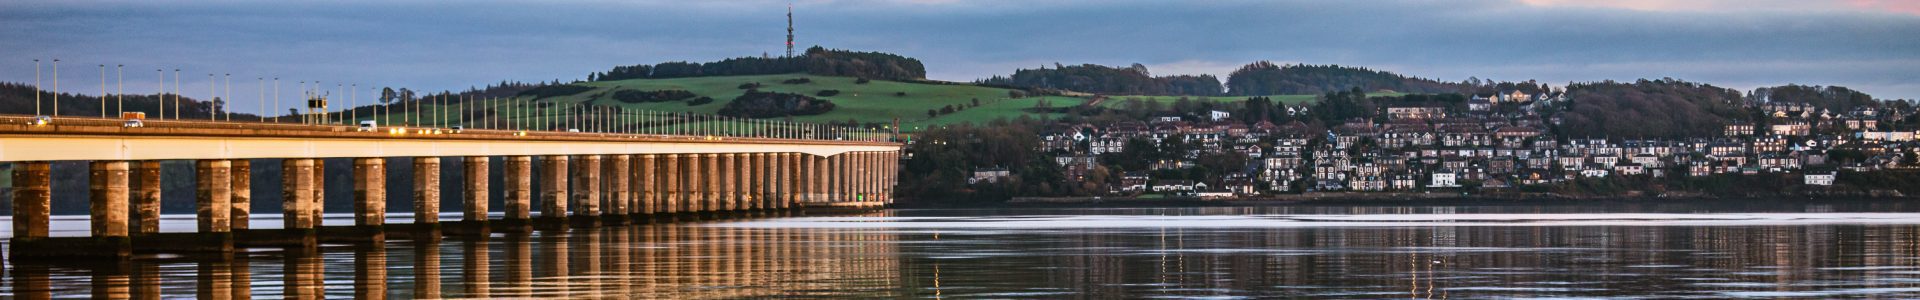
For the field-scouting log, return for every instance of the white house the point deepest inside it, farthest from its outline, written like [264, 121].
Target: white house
[1820, 179]
[1443, 179]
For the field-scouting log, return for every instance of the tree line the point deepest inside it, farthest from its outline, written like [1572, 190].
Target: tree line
[816, 61]
[1098, 79]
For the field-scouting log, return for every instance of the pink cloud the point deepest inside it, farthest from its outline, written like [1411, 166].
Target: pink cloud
[1910, 7]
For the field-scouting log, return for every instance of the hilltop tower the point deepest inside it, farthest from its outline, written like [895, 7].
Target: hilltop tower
[789, 29]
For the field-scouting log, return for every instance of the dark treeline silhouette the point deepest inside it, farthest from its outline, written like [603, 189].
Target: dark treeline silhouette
[1664, 108]
[17, 98]
[634, 96]
[758, 104]
[816, 61]
[1098, 79]
[1832, 98]
[1266, 78]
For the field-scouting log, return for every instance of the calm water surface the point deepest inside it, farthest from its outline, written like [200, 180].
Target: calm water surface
[1652, 251]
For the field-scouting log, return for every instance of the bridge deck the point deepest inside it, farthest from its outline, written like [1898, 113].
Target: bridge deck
[107, 139]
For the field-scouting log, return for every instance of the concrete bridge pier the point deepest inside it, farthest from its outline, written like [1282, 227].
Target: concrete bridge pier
[645, 186]
[697, 190]
[757, 182]
[145, 213]
[369, 201]
[297, 193]
[32, 214]
[475, 192]
[519, 189]
[586, 190]
[426, 191]
[616, 180]
[297, 225]
[730, 192]
[214, 200]
[241, 209]
[673, 191]
[553, 189]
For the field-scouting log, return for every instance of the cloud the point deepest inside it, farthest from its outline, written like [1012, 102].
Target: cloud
[433, 45]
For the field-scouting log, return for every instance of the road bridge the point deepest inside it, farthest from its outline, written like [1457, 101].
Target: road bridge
[585, 178]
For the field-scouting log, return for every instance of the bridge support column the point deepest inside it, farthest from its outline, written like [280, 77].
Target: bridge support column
[32, 199]
[296, 183]
[553, 185]
[730, 191]
[699, 181]
[426, 190]
[840, 185]
[476, 191]
[586, 186]
[618, 183]
[369, 191]
[708, 170]
[673, 191]
[784, 169]
[519, 189]
[758, 184]
[107, 188]
[644, 175]
[242, 206]
[145, 213]
[815, 179]
[214, 200]
[318, 208]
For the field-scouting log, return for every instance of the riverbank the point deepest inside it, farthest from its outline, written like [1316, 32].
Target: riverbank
[1407, 199]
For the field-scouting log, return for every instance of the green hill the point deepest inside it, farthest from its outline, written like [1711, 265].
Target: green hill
[874, 101]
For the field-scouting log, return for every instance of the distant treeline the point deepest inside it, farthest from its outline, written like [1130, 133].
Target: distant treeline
[1098, 79]
[1266, 78]
[17, 98]
[816, 61]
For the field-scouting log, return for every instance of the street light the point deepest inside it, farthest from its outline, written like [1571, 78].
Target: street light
[56, 87]
[103, 90]
[176, 94]
[213, 98]
[160, 99]
[36, 87]
[120, 87]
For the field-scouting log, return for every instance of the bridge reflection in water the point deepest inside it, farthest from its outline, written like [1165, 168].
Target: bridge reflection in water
[1137, 253]
[675, 261]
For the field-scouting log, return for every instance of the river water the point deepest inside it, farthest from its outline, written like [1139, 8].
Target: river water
[1665, 251]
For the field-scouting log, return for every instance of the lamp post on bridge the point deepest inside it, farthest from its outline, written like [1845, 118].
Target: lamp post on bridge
[36, 87]
[120, 87]
[56, 87]
[103, 90]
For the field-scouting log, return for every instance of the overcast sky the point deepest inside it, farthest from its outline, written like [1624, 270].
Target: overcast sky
[1870, 45]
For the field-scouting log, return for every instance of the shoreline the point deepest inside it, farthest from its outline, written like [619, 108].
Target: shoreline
[1394, 199]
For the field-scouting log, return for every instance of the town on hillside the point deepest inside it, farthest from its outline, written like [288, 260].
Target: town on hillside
[1495, 142]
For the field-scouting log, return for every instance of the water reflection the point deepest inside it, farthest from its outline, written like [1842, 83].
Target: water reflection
[749, 260]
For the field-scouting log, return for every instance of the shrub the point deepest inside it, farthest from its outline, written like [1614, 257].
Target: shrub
[633, 96]
[802, 80]
[827, 93]
[756, 104]
[861, 80]
[703, 100]
[749, 85]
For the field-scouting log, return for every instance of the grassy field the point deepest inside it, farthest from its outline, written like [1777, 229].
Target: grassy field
[875, 101]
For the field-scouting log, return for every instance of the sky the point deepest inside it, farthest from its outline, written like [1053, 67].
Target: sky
[1869, 45]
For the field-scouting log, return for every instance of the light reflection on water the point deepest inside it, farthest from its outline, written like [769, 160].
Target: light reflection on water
[1156, 253]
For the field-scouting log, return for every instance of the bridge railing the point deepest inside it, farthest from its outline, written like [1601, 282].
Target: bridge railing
[549, 121]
